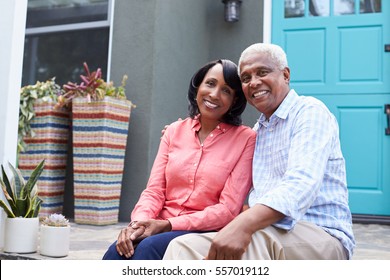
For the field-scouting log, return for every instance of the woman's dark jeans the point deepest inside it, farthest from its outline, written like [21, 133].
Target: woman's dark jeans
[151, 248]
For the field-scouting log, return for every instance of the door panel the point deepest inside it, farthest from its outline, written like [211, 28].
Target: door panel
[366, 150]
[336, 53]
[355, 67]
[313, 73]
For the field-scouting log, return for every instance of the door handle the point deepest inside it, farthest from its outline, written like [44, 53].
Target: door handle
[387, 112]
[387, 48]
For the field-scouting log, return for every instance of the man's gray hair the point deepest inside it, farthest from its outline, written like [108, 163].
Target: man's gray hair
[275, 51]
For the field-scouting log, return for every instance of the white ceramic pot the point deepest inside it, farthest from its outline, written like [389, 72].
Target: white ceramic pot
[21, 235]
[54, 241]
[2, 227]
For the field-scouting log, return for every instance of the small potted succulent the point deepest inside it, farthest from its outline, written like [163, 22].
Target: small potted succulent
[21, 205]
[54, 236]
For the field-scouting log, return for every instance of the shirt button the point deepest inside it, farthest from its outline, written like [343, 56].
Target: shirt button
[195, 164]
[211, 135]
[218, 127]
[191, 181]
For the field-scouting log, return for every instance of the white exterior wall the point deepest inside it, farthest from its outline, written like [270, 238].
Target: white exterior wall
[12, 29]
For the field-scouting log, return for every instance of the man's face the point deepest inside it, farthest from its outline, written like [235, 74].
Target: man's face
[264, 85]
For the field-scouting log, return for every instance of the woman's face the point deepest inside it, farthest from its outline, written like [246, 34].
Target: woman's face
[214, 96]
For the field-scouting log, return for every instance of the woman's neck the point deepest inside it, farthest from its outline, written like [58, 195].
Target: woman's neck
[206, 128]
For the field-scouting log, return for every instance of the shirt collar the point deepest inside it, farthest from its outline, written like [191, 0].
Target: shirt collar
[223, 127]
[286, 105]
[283, 109]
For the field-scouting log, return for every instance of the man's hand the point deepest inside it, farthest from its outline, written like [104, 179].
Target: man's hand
[165, 128]
[232, 241]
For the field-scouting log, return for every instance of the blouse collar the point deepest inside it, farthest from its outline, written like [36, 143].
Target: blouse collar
[196, 125]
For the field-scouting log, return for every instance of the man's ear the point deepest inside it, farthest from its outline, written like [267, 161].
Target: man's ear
[286, 74]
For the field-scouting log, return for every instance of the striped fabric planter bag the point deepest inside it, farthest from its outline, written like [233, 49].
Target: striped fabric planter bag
[50, 142]
[99, 144]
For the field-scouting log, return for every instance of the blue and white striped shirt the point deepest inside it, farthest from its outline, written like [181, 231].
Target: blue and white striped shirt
[299, 169]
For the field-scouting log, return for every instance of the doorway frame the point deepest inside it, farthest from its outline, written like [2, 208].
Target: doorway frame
[267, 38]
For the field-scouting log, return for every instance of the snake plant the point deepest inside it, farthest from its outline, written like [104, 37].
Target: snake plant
[22, 196]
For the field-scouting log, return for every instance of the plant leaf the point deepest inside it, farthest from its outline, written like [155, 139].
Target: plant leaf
[9, 213]
[21, 207]
[7, 184]
[34, 176]
[18, 182]
[28, 211]
[30, 116]
[36, 206]
[10, 200]
[34, 94]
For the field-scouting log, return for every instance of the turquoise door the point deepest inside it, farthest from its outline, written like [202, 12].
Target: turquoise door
[339, 52]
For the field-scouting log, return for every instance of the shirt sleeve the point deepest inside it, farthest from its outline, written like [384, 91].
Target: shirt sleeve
[232, 197]
[307, 157]
[153, 197]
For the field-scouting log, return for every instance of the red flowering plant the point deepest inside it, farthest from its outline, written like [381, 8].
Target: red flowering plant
[92, 87]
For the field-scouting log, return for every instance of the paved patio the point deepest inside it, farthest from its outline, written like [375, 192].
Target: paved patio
[90, 242]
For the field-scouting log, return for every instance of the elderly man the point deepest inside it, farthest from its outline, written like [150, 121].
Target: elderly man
[299, 201]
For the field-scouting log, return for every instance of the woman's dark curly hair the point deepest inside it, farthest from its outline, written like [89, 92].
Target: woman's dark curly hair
[233, 116]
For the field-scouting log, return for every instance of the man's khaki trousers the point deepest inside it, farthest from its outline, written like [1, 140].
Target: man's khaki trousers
[305, 242]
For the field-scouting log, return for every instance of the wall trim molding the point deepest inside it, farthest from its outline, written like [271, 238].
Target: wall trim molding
[370, 219]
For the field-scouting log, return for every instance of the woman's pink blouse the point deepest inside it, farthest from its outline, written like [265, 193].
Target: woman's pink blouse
[198, 186]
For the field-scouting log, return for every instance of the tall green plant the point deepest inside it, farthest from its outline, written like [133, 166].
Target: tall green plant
[22, 196]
